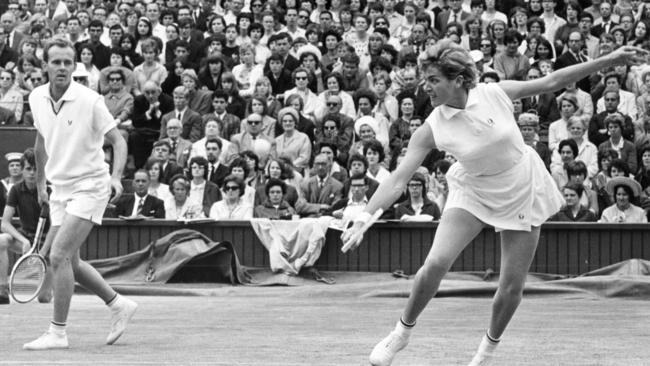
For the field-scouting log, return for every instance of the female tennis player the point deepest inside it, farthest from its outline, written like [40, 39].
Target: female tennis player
[498, 181]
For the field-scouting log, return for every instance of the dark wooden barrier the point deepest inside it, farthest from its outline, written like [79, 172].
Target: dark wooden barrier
[564, 248]
[14, 139]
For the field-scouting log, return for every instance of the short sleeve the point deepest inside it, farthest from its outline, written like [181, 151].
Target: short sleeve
[492, 91]
[12, 197]
[103, 121]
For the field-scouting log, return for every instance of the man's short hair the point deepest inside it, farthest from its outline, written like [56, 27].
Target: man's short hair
[162, 143]
[220, 94]
[28, 157]
[57, 41]
[214, 141]
[95, 23]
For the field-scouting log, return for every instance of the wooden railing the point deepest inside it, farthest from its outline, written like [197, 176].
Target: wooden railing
[564, 248]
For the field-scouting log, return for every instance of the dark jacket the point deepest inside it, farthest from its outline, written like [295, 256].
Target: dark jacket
[565, 214]
[152, 207]
[141, 106]
[428, 208]
[268, 211]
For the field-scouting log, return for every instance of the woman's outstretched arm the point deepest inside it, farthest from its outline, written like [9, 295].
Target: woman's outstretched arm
[562, 77]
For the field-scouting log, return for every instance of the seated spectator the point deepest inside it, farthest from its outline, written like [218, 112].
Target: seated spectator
[374, 152]
[320, 191]
[643, 174]
[585, 103]
[235, 104]
[333, 94]
[259, 105]
[626, 150]
[119, 102]
[417, 207]
[23, 201]
[545, 105]
[292, 143]
[202, 192]
[626, 192]
[311, 103]
[529, 127]
[338, 172]
[598, 129]
[192, 123]
[277, 169]
[229, 123]
[10, 97]
[275, 205]
[587, 152]
[252, 139]
[558, 130]
[141, 203]
[568, 150]
[180, 147]
[627, 100]
[305, 124]
[199, 100]
[439, 188]
[148, 110]
[331, 133]
[365, 101]
[233, 206]
[241, 169]
[577, 173]
[179, 206]
[510, 64]
[216, 170]
[156, 188]
[348, 209]
[212, 131]
[399, 131]
[161, 151]
[573, 210]
[151, 69]
[358, 164]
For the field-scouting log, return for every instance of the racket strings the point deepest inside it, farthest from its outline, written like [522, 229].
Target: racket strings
[28, 278]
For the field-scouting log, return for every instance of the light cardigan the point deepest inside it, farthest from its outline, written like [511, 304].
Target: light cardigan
[221, 211]
[633, 214]
[247, 79]
[297, 147]
[13, 101]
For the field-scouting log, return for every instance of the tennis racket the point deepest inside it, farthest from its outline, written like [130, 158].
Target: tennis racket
[359, 234]
[28, 274]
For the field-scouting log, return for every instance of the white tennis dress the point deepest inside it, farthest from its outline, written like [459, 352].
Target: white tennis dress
[498, 178]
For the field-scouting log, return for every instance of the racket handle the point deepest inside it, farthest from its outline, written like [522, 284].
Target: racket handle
[45, 211]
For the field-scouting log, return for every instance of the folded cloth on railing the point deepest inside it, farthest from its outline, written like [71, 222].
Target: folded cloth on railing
[292, 245]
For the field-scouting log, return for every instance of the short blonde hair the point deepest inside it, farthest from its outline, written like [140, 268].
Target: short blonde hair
[452, 60]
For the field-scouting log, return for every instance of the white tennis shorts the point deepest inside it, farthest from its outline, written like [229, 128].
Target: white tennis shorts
[86, 199]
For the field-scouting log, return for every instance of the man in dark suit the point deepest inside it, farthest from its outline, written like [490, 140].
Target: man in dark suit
[454, 14]
[279, 77]
[573, 56]
[544, 104]
[148, 109]
[180, 147]
[201, 191]
[216, 171]
[283, 46]
[605, 23]
[8, 57]
[14, 37]
[101, 53]
[161, 151]
[358, 164]
[320, 191]
[192, 122]
[140, 203]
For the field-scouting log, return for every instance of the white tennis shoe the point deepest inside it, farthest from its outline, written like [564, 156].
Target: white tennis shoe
[385, 351]
[49, 340]
[485, 353]
[121, 312]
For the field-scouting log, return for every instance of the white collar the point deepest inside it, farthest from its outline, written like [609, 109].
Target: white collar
[449, 112]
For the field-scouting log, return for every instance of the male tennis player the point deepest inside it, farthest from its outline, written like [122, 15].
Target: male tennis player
[72, 122]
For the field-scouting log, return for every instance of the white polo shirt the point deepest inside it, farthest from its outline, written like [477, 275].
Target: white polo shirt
[73, 130]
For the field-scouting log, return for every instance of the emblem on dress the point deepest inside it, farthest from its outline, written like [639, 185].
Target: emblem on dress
[490, 122]
[69, 122]
[521, 216]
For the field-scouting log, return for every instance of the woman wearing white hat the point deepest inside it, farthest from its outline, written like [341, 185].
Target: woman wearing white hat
[626, 192]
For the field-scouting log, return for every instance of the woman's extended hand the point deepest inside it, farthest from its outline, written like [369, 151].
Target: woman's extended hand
[629, 54]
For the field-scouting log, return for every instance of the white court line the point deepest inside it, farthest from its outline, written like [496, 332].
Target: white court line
[145, 363]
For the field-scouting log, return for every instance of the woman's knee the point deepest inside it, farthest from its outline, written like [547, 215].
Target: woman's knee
[436, 266]
[514, 289]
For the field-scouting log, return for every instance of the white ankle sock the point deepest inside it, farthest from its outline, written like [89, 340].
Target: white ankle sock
[113, 303]
[57, 329]
[402, 329]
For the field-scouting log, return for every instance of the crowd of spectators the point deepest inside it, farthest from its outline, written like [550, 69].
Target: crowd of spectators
[285, 108]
